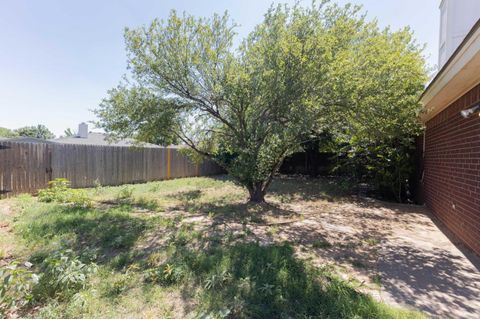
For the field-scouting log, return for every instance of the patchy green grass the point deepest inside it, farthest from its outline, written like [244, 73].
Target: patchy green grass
[321, 244]
[372, 241]
[174, 249]
[377, 280]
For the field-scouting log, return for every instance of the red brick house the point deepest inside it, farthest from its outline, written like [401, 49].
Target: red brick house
[451, 141]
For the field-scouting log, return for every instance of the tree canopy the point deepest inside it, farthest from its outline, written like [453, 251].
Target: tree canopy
[69, 132]
[301, 72]
[38, 131]
[5, 132]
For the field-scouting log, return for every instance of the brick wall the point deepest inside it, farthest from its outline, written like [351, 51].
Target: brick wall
[452, 169]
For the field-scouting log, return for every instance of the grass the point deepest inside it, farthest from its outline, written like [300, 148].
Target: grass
[164, 250]
[377, 279]
[321, 244]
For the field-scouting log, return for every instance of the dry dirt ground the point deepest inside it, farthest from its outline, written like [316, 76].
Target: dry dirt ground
[398, 253]
[395, 252]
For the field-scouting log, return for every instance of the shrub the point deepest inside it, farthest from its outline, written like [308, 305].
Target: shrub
[16, 283]
[125, 192]
[62, 275]
[59, 191]
[55, 192]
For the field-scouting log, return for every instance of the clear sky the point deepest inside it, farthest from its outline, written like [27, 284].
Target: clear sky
[58, 58]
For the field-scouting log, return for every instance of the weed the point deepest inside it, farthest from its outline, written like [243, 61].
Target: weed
[256, 218]
[166, 274]
[267, 289]
[16, 283]
[358, 264]
[145, 203]
[125, 192]
[273, 230]
[155, 259]
[321, 244]
[269, 282]
[372, 241]
[98, 187]
[159, 263]
[59, 191]
[219, 314]
[377, 280]
[62, 275]
[217, 280]
[121, 260]
[118, 285]
[155, 187]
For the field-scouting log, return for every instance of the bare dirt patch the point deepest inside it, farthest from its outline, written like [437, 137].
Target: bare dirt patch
[394, 252]
[6, 236]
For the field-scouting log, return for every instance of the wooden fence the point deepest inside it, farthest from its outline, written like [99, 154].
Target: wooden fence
[27, 167]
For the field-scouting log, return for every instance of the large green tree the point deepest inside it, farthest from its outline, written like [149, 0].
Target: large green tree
[378, 78]
[5, 132]
[249, 107]
[38, 131]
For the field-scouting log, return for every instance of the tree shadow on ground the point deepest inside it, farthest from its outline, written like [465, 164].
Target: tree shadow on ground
[249, 280]
[289, 188]
[140, 203]
[271, 223]
[186, 196]
[466, 251]
[424, 278]
[222, 211]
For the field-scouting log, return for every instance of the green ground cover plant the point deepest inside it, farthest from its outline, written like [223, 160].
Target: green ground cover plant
[59, 191]
[120, 258]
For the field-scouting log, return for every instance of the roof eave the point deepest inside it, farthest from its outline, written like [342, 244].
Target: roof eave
[455, 78]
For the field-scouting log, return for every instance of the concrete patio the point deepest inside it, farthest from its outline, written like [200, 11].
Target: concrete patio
[422, 265]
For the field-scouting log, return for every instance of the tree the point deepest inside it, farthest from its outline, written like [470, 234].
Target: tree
[39, 131]
[69, 132]
[379, 77]
[5, 132]
[249, 108]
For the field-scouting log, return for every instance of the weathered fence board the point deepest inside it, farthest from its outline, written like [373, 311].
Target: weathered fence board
[26, 167]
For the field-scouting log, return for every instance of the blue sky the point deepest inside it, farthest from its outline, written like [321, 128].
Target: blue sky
[58, 58]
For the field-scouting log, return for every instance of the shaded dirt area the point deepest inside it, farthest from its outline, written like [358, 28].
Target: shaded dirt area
[394, 252]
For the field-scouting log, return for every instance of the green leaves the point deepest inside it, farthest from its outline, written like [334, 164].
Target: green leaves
[39, 131]
[59, 191]
[5, 132]
[301, 72]
[62, 275]
[16, 284]
[139, 113]
[379, 78]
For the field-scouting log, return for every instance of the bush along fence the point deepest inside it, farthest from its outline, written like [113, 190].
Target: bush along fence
[27, 167]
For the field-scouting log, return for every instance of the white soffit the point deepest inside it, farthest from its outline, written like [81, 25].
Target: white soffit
[456, 78]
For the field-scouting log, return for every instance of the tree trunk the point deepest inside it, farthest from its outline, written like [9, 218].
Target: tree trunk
[257, 193]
